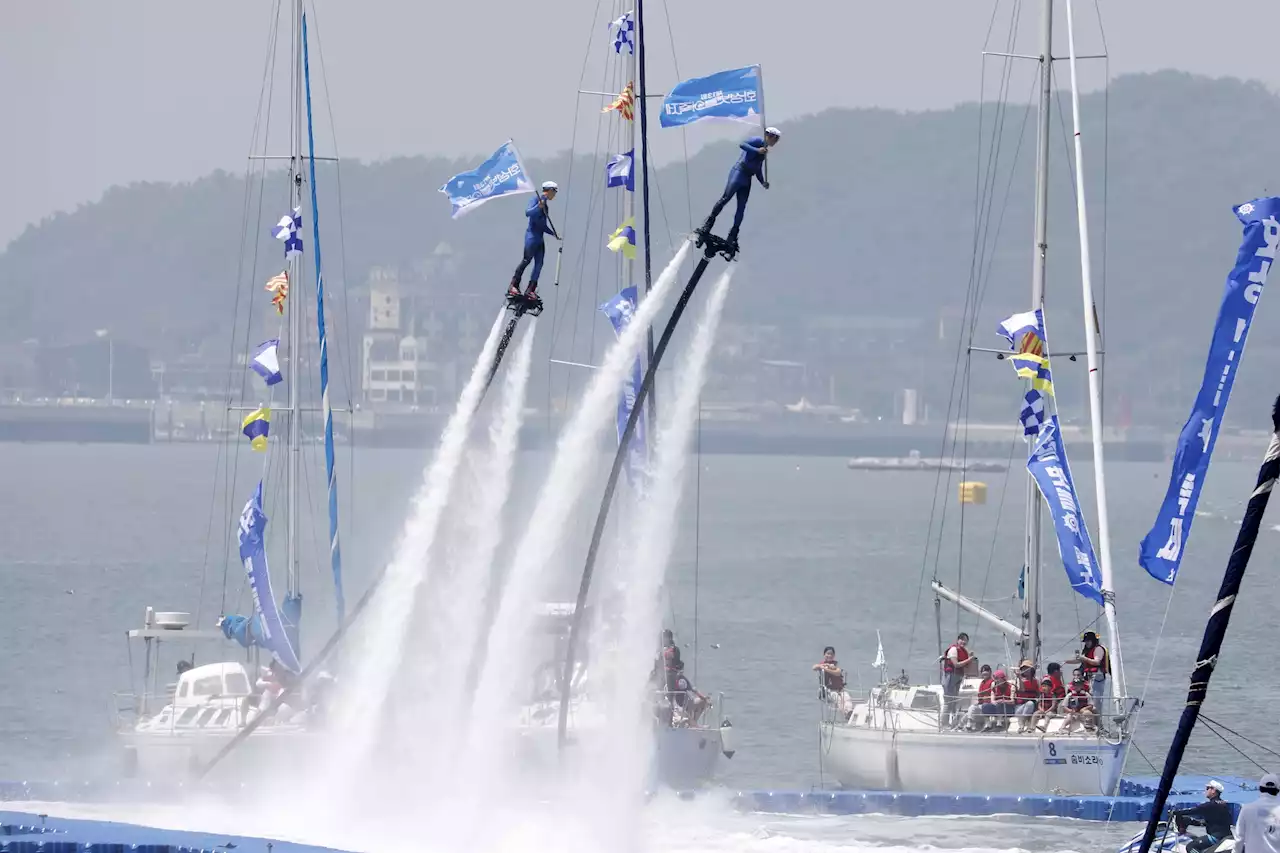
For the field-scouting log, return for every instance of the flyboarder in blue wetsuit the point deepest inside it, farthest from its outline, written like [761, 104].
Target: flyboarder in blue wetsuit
[750, 165]
[534, 248]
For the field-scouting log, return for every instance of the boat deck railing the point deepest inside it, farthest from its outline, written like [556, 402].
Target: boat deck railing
[929, 717]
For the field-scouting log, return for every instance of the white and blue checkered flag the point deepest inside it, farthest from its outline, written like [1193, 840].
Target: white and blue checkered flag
[1032, 414]
[289, 230]
[624, 32]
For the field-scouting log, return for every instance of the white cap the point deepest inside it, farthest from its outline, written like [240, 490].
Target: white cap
[550, 185]
[1217, 786]
[1271, 781]
[772, 131]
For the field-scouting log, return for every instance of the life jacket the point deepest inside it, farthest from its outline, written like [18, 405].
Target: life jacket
[984, 690]
[1002, 692]
[1079, 698]
[1091, 669]
[1028, 689]
[1048, 697]
[1059, 689]
[962, 655]
[832, 680]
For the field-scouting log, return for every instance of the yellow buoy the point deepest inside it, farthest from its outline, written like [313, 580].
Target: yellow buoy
[973, 492]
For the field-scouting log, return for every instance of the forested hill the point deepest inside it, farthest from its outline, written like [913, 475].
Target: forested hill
[871, 213]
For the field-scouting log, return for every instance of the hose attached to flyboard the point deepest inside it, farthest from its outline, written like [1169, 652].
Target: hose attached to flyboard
[637, 409]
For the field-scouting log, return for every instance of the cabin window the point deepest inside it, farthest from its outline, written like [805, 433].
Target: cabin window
[207, 716]
[187, 717]
[210, 685]
[237, 684]
[224, 716]
[925, 700]
[182, 691]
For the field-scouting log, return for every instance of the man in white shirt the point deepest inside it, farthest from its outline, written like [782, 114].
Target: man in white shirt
[1257, 828]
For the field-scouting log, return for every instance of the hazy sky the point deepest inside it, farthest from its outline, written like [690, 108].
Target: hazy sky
[100, 92]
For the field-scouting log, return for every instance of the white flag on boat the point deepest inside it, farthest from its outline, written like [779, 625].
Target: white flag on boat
[879, 661]
[266, 363]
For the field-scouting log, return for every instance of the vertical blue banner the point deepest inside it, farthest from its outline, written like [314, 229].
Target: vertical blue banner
[1161, 550]
[253, 528]
[1048, 465]
[619, 310]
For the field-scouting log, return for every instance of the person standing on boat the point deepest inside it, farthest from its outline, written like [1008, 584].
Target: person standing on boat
[1214, 814]
[535, 249]
[1257, 828]
[957, 662]
[750, 165]
[1095, 665]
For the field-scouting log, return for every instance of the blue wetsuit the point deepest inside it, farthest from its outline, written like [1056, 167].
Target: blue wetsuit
[534, 248]
[750, 165]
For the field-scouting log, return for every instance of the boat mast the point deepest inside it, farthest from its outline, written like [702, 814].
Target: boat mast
[642, 97]
[295, 313]
[1091, 333]
[1031, 610]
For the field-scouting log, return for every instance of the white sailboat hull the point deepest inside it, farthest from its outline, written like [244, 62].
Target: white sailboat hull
[971, 763]
[177, 755]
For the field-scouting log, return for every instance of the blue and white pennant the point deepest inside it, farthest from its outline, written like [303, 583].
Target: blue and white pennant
[624, 29]
[289, 230]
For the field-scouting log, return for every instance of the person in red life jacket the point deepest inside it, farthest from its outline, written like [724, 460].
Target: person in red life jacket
[957, 662]
[1027, 693]
[1055, 672]
[1095, 663]
[1079, 704]
[983, 697]
[1047, 704]
[1002, 700]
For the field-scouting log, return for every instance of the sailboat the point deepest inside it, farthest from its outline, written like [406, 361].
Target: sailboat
[167, 731]
[687, 749]
[901, 736]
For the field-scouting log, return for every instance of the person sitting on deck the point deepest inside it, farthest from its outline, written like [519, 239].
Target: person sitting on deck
[1214, 814]
[1002, 701]
[683, 695]
[1028, 690]
[1079, 704]
[983, 697]
[1047, 703]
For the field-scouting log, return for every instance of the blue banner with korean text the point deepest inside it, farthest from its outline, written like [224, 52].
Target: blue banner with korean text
[253, 552]
[1048, 465]
[732, 95]
[1161, 550]
[619, 310]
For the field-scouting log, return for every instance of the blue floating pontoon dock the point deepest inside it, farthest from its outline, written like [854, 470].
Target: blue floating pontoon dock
[1134, 802]
[24, 832]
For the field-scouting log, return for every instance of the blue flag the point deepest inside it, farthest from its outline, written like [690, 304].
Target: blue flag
[620, 171]
[502, 174]
[1161, 549]
[253, 528]
[727, 95]
[619, 310]
[1048, 465]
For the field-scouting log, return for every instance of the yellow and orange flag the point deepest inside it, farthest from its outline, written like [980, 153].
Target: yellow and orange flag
[624, 103]
[278, 286]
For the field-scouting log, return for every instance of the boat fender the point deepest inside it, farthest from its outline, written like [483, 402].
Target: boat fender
[728, 746]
